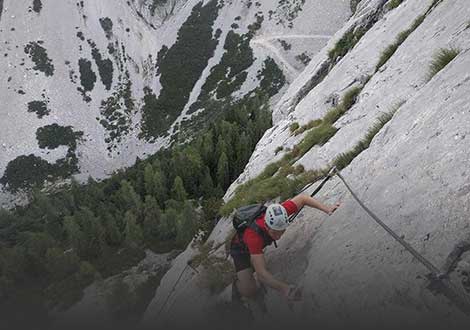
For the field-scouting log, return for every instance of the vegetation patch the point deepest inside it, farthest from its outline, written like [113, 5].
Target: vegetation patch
[230, 73]
[440, 60]
[53, 136]
[116, 113]
[38, 55]
[294, 127]
[353, 4]
[272, 78]
[87, 78]
[392, 4]
[346, 158]
[160, 56]
[296, 130]
[39, 107]
[303, 58]
[105, 66]
[25, 172]
[286, 12]
[218, 272]
[128, 305]
[228, 76]
[285, 45]
[37, 6]
[346, 43]
[107, 26]
[181, 68]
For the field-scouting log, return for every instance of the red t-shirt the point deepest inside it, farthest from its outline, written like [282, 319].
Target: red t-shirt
[253, 240]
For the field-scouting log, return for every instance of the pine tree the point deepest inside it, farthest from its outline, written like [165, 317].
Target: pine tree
[113, 235]
[178, 192]
[243, 150]
[130, 199]
[223, 172]
[152, 217]
[148, 180]
[185, 225]
[93, 234]
[207, 149]
[160, 188]
[167, 226]
[220, 148]
[207, 185]
[73, 233]
[133, 233]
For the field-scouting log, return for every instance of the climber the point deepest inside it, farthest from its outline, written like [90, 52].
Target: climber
[247, 252]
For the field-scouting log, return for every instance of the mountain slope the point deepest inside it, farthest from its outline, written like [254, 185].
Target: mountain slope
[107, 75]
[413, 175]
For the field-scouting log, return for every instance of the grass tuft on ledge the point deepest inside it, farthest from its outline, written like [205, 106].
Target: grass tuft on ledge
[440, 60]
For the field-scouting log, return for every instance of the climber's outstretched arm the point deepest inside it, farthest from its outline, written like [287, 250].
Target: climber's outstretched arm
[259, 264]
[302, 200]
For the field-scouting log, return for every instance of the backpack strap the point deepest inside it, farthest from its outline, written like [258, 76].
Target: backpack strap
[267, 239]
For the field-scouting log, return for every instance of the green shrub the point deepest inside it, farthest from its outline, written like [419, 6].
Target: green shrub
[311, 124]
[293, 127]
[349, 98]
[317, 136]
[392, 4]
[278, 149]
[105, 67]
[87, 76]
[353, 4]
[386, 54]
[440, 59]
[346, 43]
[38, 55]
[52, 136]
[37, 6]
[107, 26]
[272, 78]
[38, 107]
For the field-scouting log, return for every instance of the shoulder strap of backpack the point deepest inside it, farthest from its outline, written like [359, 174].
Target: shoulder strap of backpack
[262, 233]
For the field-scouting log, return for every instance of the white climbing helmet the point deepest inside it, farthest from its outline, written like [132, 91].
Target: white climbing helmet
[276, 217]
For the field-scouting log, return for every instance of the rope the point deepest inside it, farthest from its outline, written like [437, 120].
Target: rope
[433, 269]
[320, 186]
[435, 272]
[172, 289]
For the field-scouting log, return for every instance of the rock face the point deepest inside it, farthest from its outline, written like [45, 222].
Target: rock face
[414, 176]
[98, 70]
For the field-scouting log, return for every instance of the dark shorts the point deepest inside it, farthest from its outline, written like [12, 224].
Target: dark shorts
[242, 261]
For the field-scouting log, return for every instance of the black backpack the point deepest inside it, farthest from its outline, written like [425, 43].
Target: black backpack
[245, 217]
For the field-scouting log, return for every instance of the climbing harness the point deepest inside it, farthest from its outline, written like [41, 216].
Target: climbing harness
[461, 299]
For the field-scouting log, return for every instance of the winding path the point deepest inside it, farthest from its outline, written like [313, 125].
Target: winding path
[264, 42]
